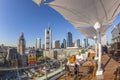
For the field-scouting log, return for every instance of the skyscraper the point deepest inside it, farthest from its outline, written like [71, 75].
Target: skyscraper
[77, 43]
[57, 44]
[53, 44]
[21, 50]
[69, 39]
[43, 46]
[64, 43]
[86, 42]
[38, 43]
[48, 38]
[21, 44]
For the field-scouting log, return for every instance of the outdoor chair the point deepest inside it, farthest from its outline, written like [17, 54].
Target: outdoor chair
[83, 72]
[90, 64]
[69, 70]
[117, 73]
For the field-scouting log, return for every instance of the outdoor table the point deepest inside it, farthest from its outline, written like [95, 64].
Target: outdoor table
[87, 70]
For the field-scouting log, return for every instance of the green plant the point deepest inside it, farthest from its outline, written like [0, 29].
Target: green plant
[40, 58]
[113, 45]
[83, 51]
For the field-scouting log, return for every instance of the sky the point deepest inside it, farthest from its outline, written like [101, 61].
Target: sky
[17, 16]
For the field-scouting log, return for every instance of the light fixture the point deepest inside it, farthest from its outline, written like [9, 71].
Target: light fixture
[97, 26]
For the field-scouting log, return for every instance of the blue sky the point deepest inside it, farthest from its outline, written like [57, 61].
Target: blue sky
[18, 16]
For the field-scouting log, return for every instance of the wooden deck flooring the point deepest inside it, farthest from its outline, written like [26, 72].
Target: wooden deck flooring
[109, 66]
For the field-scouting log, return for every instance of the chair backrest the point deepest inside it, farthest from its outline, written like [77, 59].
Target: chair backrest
[83, 69]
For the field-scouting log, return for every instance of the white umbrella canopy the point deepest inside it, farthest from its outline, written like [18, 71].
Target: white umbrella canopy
[38, 2]
[87, 11]
[90, 32]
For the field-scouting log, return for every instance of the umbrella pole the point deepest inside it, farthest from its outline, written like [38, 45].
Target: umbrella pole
[97, 26]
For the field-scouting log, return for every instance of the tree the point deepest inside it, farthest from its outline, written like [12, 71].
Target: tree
[39, 59]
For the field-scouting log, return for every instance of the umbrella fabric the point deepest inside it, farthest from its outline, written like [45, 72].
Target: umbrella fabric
[87, 11]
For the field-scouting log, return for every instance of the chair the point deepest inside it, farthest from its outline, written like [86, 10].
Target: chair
[83, 72]
[69, 69]
[117, 73]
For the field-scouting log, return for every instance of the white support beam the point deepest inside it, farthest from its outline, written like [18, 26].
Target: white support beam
[97, 26]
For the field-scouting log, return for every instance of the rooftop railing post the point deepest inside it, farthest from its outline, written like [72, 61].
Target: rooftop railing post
[45, 65]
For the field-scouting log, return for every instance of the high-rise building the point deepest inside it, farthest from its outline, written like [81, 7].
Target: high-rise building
[64, 43]
[56, 44]
[21, 50]
[53, 44]
[43, 46]
[77, 43]
[86, 43]
[82, 43]
[48, 38]
[38, 43]
[69, 39]
[21, 44]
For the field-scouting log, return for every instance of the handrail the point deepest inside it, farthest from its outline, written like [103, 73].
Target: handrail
[53, 75]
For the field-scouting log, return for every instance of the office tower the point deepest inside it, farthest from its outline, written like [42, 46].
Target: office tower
[64, 43]
[86, 43]
[21, 44]
[48, 39]
[56, 44]
[69, 39]
[53, 44]
[43, 46]
[38, 43]
[77, 43]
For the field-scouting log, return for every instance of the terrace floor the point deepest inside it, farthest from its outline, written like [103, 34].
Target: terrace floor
[109, 67]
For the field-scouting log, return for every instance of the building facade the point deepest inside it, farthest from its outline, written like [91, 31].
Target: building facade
[63, 45]
[43, 46]
[57, 44]
[69, 39]
[21, 44]
[48, 39]
[116, 34]
[21, 50]
[38, 43]
[77, 43]
[86, 43]
[12, 57]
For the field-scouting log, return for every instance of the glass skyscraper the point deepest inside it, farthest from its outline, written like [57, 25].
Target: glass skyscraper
[69, 39]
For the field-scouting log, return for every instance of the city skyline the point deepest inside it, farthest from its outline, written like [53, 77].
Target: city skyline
[24, 16]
